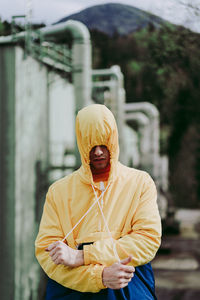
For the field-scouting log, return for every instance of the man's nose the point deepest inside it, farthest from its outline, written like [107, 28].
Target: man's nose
[98, 151]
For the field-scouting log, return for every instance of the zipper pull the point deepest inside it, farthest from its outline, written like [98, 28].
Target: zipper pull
[101, 186]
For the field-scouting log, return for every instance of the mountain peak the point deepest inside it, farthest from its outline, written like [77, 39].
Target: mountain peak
[113, 18]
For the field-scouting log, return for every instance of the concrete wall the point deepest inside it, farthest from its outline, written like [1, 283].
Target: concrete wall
[7, 176]
[35, 103]
[31, 135]
[62, 121]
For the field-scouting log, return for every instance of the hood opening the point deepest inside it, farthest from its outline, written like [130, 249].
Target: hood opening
[96, 125]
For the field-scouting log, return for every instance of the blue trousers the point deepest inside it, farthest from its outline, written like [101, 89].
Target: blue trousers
[141, 287]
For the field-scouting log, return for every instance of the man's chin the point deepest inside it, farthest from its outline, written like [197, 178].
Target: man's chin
[99, 166]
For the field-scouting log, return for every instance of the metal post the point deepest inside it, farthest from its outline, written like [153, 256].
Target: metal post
[28, 37]
[142, 121]
[153, 114]
[116, 101]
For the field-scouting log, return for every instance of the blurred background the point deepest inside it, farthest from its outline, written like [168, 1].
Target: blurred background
[139, 58]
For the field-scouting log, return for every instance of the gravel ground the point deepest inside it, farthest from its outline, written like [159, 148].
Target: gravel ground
[177, 263]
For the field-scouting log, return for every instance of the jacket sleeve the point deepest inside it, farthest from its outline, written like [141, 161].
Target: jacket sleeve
[142, 242]
[84, 278]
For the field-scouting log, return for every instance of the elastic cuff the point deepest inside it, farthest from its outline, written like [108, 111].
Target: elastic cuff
[86, 253]
[98, 275]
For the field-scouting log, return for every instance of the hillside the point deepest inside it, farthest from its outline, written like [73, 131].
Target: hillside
[115, 18]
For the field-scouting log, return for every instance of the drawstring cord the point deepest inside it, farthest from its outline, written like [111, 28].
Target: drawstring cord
[102, 188]
[97, 199]
[114, 242]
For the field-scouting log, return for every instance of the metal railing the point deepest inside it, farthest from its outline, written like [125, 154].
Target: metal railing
[58, 56]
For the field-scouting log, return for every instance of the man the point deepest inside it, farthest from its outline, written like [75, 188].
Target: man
[100, 226]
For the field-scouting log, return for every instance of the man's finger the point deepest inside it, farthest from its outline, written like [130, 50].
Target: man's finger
[128, 269]
[126, 260]
[57, 261]
[53, 251]
[50, 247]
[55, 256]
[128, 276]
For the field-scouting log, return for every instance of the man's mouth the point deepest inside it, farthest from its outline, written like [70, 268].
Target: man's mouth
[99, 159]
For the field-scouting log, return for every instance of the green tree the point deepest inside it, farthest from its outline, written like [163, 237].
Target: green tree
[163, 66]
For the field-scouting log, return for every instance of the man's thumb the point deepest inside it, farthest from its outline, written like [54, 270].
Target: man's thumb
[126, 260]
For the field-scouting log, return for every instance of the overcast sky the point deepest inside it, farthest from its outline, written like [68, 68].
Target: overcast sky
[50, 11]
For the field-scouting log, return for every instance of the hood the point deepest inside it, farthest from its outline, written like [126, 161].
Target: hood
[95, 125]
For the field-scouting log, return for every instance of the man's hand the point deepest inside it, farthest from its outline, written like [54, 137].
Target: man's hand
[118, 275]
[61, 254]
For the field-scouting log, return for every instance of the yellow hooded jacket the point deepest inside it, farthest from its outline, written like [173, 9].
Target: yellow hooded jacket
[129, 206]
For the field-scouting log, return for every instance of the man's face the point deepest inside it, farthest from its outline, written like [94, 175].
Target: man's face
[99, 157]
